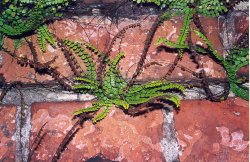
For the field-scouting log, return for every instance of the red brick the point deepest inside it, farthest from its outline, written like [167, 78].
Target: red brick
[210, 131]
[118, 137]
[132, 45]
[7, 132]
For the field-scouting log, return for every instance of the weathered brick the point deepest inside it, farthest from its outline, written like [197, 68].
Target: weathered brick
[118, 137]
[210, 131]
[132, 44]
[7, 132]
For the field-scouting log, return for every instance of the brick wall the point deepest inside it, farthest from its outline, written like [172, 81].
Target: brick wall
[200, 131]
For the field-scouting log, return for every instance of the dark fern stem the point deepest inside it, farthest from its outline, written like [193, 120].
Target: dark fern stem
[147, 44]
[41, 68]
[4, 87]
[33, 51]
[172, 67]
[37, 141]
[73, 64]
[102, 60]
[197, 59]
[70, 135]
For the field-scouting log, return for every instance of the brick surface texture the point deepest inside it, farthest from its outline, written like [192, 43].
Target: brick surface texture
[132, 45]
[206, 131]
[118, 137]
[7, 132]
[209, 131]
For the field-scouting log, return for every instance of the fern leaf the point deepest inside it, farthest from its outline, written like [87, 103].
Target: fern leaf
[84, 80]
[143, 93]
[185, 27]
[84, 86]
[87, 110]
[43, 36]
[240, 91]
[102, 115]
[209, 44]
[114, 84]
[121, 103]
[85, 56]
[41, 40]
[170, 44]
[175, 100]
[1, 41]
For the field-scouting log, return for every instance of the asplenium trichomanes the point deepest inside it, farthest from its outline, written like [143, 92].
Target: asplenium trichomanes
[112, 90]
[20, 17]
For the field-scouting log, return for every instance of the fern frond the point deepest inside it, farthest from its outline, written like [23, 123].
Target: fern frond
[174, 99]
[1, 41]
[102, 115]
[121, 103]
[87, 110]
[84, 80]
[113, 83]
[170, 44]
[239, 91]
[43, 36]
[143, 93]
[209, 44]
[84, 87]
[236, 59]
[185, 29]
[85, 56]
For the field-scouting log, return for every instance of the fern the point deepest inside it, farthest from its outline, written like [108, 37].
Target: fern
[209, 44]
[1, 41]
[236, 59]
[184, 32]
[43, 36]
[23, 16]
[204, 7]
[112, 90]
[85, 56]
[185, 27]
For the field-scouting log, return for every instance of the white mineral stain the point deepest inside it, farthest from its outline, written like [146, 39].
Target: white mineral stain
[236, 142]
[199, 43]
[169, 36]
[180, 74]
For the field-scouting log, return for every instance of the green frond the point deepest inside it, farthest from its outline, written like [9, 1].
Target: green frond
[95, 50]
[185, 29]
[87, 110]
[121, 103]
[22, 17]
[139, 94]
[84, 80]
[174, 99]
[102, 115]
[204, 7]
[114, 84]
[209, 44]
[236, 59]
[170, 44]
[84, 87]
[1, 41]
[44, 36]
[239, 91]
[85, 56]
